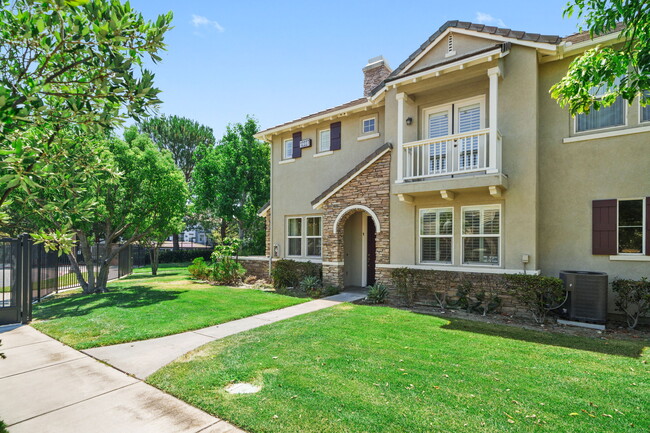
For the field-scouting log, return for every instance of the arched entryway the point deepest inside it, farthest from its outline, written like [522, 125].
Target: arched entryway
[359, 242]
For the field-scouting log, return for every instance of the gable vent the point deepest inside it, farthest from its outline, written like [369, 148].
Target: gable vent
[450, 43]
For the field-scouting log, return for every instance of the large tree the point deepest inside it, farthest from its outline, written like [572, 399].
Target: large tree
[231, 182]
[623, 69]
[68, 64]
[182, 137]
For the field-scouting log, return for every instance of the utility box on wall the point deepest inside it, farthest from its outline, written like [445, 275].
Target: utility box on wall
[587, 295]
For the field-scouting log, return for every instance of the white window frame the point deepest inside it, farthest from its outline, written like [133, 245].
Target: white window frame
[641, 109]
[643, 226]
[300, 236]
[376, 128]
[463, 236]
[606, 128]
[303, 236]
[320, 142]
[307, 236]
[421, 236]
[453, 108]
[284, 149]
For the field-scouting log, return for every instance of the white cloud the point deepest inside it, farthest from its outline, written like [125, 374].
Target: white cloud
[487, 19]
[201, 21]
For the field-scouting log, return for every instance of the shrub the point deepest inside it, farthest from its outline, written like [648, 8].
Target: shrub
[225, 269]
[312, 286]
[289, 273]
[3, 427]
[183, 256]
[405, 281]
[377, 294]
[331, 291]
[199, 269]
[536, 293]
[632, 298]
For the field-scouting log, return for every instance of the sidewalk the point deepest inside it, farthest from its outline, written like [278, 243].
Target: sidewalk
[48, 387]
[143, 358]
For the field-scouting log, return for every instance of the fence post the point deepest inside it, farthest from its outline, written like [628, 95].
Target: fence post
[25, 271]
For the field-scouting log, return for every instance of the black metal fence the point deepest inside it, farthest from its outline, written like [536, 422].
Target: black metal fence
[29, 273]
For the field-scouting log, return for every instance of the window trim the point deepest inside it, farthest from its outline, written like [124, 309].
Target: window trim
[420, 236]
[284, 149]
[640, 120]
[375, 130]
[329, 147]
[453, 108]
[643, 226]
[303, 236]
[464, 236]
[307, 237]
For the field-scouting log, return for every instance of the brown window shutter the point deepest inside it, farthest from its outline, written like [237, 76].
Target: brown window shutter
[297, 151]
[604, 227]
[647, 226]
[335, 136]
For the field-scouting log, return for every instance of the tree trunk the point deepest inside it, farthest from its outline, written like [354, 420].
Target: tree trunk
[153, 253]
[223, 228]
[74, 264]
[176, 245]
[90, 263]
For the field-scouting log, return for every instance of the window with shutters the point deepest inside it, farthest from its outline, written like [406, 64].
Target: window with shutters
[631, 226]
[324, 140]
[288, 149]
[605, 117]
[645, 111]
[436, 235]
[481, 235]
[304, 236]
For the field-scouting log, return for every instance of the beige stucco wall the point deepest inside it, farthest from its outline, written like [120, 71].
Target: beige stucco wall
[517, 121]
[296, 184]
[574, 174]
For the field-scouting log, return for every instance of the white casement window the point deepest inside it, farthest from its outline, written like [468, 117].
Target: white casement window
[304, 236]
[288, 149]
[481, 235]
[436, 235]
[314, 236]
[324, 140]
[631, 226]
[645, 111]
[369, 125]
[294, 237]
[605, 117]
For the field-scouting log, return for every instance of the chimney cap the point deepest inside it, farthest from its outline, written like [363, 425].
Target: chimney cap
[375, 62]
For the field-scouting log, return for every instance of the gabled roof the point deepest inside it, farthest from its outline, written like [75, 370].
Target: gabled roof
[360, 167]
[586, 35]
[497, 31]
[264, 209]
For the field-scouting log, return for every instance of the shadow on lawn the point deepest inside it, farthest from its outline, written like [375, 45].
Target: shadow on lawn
[81, 305]
[629, 348]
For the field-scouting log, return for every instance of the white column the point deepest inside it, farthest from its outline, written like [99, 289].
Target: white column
[494, 153]
[400, 137]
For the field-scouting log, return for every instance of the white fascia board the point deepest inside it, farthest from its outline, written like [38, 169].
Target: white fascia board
[425, 51]
[348, 180]
[479, 58]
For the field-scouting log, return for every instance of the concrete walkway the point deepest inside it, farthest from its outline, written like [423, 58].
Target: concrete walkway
[48, 387]
[142, 358]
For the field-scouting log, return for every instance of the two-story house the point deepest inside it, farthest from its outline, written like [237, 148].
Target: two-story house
[460, 160]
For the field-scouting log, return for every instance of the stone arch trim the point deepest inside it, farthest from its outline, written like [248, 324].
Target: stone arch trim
[354, 207]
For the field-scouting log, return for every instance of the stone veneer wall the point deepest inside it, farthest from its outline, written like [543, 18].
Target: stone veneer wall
[430, 281]
[257, 267]
[371, 188]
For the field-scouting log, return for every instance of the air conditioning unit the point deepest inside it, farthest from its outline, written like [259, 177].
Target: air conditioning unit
[587, 295]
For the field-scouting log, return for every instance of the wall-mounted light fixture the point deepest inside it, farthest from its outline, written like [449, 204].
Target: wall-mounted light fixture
[409, 121]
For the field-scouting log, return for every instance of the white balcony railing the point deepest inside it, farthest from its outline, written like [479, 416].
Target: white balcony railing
[448, 155]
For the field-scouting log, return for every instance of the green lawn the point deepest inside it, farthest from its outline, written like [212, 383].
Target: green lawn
[141, 306]
[372, 369]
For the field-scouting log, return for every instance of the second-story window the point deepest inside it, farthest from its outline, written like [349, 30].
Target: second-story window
[288, 149]
[605, 117]
[645, 111]
[324, 142]
[369, 125]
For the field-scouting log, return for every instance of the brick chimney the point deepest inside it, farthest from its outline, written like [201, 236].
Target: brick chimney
[374, 73]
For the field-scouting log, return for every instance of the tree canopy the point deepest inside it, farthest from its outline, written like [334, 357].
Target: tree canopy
[231, 181]
[622, 70]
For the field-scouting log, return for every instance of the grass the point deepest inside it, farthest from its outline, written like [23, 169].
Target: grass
[141, 306]
[370, 369]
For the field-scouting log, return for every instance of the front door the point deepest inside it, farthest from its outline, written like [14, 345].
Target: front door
[371, 252]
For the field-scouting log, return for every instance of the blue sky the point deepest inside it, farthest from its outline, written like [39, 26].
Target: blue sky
[281, 60]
